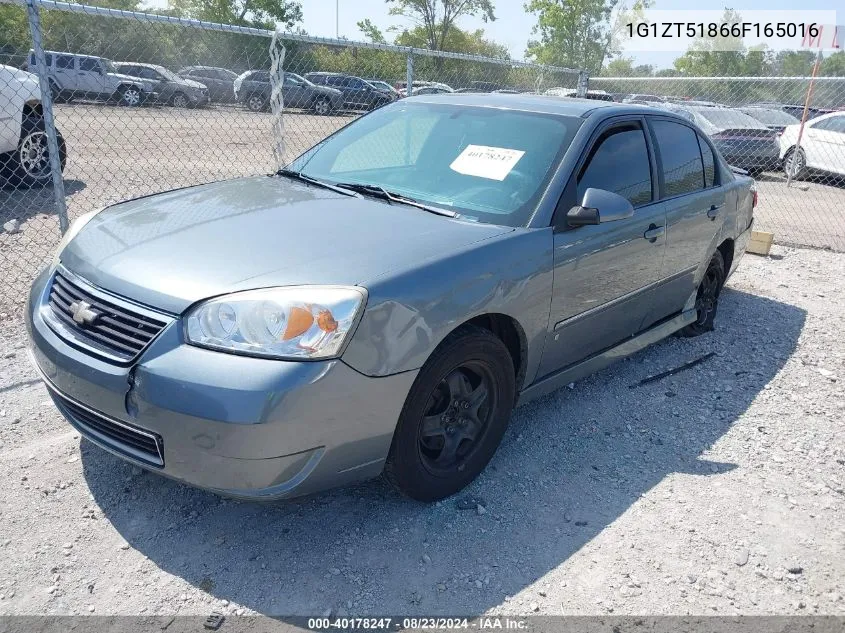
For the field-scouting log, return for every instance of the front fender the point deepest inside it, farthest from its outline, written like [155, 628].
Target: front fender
[410, 312]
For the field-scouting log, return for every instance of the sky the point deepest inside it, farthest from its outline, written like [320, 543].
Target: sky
[513, 25]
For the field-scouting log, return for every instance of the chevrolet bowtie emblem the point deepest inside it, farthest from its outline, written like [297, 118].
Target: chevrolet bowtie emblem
[82, 313]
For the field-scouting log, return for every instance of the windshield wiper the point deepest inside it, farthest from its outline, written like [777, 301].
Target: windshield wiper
[380, 192]
[298, 175]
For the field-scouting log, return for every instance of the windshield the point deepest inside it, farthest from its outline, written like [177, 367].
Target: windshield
[487, 164]
[726, 119]
[109, 65]
[166, 73]
[771, 117]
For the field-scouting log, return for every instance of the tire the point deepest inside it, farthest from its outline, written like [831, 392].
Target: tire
[322, 106]
[454, 416]
[29, 164]
[256, 102]
[129, 96]
[180, 100]
[707, 297]
[799, 169]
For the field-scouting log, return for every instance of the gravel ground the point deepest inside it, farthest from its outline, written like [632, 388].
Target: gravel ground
[718, 490]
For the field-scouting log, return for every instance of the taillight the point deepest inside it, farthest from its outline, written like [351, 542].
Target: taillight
[754, 199]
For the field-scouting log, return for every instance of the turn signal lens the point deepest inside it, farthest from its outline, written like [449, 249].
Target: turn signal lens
[296, 322]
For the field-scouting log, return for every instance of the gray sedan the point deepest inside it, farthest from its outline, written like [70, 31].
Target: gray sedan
[381, 305]
[170, 87]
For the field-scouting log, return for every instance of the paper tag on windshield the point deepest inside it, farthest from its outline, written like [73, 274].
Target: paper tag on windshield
[494, 163]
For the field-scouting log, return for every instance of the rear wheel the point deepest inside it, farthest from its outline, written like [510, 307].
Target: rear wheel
[454, 417]
[29, 164]
[129, 96]
[707, 297]
[795, 164]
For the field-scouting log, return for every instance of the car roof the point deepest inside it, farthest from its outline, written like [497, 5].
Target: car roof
[142, 64]
[541, 104]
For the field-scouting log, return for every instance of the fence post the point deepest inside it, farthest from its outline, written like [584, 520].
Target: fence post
[409, 73]
[47, 109]
[583, 82]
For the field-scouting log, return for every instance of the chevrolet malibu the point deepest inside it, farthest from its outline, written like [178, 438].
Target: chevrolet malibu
[381, 304]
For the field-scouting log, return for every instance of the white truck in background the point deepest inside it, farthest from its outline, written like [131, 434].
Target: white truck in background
[24, 153]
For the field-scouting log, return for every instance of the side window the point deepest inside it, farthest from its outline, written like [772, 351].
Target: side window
[47, 56]
[89, 64]
[709, 163]
[683, 171]
[619, 163]
[64, 62]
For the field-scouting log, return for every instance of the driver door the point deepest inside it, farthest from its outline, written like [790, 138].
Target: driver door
[602, 273]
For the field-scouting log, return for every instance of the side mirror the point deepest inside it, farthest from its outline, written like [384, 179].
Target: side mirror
[599, 206]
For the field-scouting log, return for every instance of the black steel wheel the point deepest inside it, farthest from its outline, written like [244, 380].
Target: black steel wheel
[454, 416]
[707, 297]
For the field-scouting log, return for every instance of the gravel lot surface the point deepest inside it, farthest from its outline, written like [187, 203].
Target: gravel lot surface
[718, 490]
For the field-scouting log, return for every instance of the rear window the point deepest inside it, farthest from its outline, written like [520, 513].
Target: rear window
[726, 119]
[770, 117]
[683, 171]
[489, 165]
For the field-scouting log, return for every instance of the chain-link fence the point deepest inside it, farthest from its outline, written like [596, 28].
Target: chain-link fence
[119, 104]
[756, 123]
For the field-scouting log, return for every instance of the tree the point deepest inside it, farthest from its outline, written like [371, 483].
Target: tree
[793, 63]
[437, 18]
[371, 31]
[258, 13]
[579, 33]
[833, 65]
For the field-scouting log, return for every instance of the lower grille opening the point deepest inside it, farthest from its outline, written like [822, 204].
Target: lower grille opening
[136, 443]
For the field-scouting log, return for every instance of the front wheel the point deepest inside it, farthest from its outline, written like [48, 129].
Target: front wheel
[454, 417]
[256, 102]
[180, 100]
[322, 106]
[707, 297]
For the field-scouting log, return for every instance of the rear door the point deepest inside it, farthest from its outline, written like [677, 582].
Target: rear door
[603, 274]
[825, 145]
[296, 93]
[66, 73]
[694, 201]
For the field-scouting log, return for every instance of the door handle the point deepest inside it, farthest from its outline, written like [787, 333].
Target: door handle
[713, 211]
[654, 232]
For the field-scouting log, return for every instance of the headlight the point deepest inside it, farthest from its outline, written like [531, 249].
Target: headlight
[73, 230]
[295, 322]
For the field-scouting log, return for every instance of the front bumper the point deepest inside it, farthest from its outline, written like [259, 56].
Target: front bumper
[244, 427]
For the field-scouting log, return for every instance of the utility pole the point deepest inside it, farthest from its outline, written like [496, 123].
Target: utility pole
[337, 19]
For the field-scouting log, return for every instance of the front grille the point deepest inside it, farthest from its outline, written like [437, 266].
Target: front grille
[124, 438]
[121, 330]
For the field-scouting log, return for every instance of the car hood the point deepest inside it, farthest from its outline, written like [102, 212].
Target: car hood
[136, 80]
[330, 92]
[170, 250]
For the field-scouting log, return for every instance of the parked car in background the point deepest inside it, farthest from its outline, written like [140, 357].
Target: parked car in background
[357, 93]
[643, 98]
[169, 87]
[24, 153]
[822, 146]
[795, 110]
[380, 305]
[597, 95]
[219, 81]
[383, 86]
[401, 87]
[253, 87]
[74, 76]
[742, 140]
[431, 90]
[773, 118]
